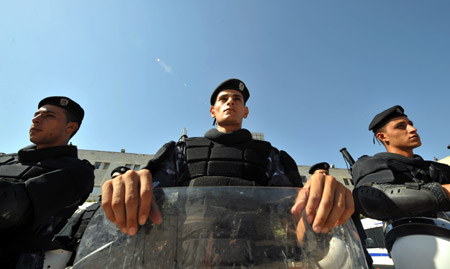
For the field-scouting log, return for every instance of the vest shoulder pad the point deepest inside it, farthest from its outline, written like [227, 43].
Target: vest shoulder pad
[370, 169]
[6, 158]
[159, 157]
[198, 142]
[367, 164]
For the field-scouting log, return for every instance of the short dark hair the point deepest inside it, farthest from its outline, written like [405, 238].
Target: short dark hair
[381, 129]
[70, 117]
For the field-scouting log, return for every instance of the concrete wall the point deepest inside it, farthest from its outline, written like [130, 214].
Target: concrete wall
[446, 160]
[341, 174]
[106, 161]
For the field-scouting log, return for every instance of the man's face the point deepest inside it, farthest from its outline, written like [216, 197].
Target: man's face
[50, 128]
[400, 133]
[229, 109]
[322, 171]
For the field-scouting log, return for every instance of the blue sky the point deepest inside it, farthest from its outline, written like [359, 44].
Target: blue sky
[317, 71]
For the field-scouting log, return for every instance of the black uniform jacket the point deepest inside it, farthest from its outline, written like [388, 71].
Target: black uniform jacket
[40, 189]
[390, 186]
[223, 159]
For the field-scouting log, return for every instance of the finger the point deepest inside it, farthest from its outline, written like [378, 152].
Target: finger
[300, 231]
[337, 209]
[300, 201]
[131, 182]
[326, 204]
[118, 203]
[315, 196]
[107, 190]
[155, 214]
[146, 192]
[349, 208]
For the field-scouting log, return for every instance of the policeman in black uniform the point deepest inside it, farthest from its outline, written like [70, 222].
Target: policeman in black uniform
[42, 185]
[226, 156]
[321, 168]
[399, 183]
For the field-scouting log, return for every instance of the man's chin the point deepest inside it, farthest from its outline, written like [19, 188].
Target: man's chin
[228, 121]
[34, 139]
[416, 144]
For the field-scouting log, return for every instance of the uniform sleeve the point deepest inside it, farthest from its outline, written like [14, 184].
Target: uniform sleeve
[371, 170]
[59, 189]
[283, 170]
[14, 204]
[379, 195]
[167, 165]
[155, 163]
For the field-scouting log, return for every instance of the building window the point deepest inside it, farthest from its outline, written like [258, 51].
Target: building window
[258, 136]
[137, 167]
[105, 166]
[128, 166]
[345, 181]
[97, 165]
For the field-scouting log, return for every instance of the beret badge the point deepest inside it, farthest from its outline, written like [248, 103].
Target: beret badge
[241, 86]
[64, 102]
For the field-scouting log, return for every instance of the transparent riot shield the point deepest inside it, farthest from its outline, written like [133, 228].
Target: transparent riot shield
[221, 227]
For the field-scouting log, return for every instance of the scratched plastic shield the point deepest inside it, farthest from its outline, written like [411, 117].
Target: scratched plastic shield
[221, 227]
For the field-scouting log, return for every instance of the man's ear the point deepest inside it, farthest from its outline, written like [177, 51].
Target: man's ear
[245, 112]
[71, 127]
[382, 137]
[212, 112]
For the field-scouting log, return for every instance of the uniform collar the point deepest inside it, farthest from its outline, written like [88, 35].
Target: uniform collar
[31, 153]
[415, 160]
[235, 137]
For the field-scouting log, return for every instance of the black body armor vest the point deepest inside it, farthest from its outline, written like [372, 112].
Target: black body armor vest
[227, 159]
[15, 170]
[403, 169]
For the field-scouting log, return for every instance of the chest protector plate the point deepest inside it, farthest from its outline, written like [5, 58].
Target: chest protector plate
[425, 173]
[238, 164]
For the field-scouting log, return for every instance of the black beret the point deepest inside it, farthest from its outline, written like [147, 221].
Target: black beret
[384, 117]
[318, 166]
[120, 169]
[64, 103]
[231, 84]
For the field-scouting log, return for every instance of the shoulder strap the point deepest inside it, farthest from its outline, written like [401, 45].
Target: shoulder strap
[291, 168]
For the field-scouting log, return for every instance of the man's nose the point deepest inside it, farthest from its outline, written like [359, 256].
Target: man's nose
[412, 128]
[36, 119]
[230, 100]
